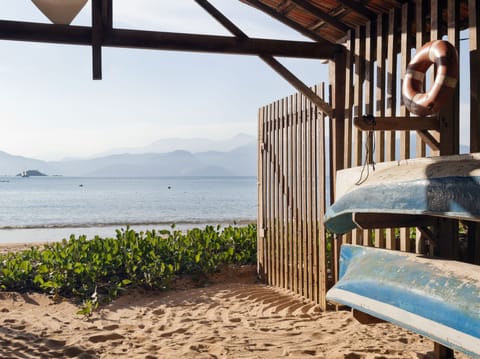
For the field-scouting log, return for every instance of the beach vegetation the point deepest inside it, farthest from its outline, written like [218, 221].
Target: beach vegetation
[98, 270]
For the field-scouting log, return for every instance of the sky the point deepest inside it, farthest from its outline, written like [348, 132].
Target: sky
[50, 107]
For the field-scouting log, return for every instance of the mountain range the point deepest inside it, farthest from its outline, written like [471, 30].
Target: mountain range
[171, 157]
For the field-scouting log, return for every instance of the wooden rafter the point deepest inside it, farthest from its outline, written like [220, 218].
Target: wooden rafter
[308, 6]
[358, 8]
[283, 19]
[270, 60]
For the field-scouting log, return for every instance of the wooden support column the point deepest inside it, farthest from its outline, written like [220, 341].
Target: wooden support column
[474, 33]
[97, 38]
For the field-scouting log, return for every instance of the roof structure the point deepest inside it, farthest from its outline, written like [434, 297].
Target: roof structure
[331, 19]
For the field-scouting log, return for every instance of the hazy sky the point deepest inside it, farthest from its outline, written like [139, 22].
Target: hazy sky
[51, 108]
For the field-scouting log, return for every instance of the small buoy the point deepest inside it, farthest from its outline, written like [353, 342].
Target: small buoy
[169, 187]
[80, 185]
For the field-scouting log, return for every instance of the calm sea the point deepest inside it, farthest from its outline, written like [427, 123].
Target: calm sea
[52, 208]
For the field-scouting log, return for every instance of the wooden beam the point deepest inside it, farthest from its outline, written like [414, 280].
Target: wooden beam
[312, 9]
[359, 9]
[429, 139]
[385, 220]
[97, 38]
[270, 60]
[364, 318]
[399, 123]
[155, 40]
[298, 84]
[474, 54]
[285, 20]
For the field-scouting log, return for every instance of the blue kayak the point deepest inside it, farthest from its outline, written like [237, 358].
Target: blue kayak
[439, 299]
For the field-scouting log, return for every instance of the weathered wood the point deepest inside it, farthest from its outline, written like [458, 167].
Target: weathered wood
[420, 40]
[364, 318]
[312, 9]
[97, 38]
[384, 220]
[474, 56]
[260, 195]
[337, 122]
[349, 62]
[399, 123]
[391, 102]
[294, 172]
[285, 20]
[157, 40]
[359, 9]
[304, 198]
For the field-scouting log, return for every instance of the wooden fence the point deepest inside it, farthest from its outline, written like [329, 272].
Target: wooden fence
[293, 173]
[294, 154]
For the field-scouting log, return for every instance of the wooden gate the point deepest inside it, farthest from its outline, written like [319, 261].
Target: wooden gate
[293, 168]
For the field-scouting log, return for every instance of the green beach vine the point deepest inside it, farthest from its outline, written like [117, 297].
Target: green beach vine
[98, 270]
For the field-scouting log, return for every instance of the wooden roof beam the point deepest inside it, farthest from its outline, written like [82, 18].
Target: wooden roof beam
[270, 60]
[358, 8]
[155, 40]
[286, 21]
[312, 9]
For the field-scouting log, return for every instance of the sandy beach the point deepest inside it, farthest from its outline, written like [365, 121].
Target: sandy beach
[234, 316]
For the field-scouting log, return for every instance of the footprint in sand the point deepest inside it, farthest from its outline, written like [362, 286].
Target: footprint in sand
[105, 337]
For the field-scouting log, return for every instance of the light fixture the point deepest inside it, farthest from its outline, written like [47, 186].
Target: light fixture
[60, 11]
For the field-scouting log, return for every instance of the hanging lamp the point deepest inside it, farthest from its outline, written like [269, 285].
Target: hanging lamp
[60, 11]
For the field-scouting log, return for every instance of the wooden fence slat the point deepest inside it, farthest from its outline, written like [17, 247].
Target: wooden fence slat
[295, 193]
[380, 103]
[391, 102]
[405, 47]
[260, 193]
[304, 197]
[270, 231]
[280, 238]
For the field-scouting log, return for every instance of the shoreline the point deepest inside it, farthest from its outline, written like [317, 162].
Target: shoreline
[17, 236]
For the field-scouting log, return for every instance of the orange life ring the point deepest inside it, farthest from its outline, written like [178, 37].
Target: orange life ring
[445, 57]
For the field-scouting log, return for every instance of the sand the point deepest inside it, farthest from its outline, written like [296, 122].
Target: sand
[234, 316]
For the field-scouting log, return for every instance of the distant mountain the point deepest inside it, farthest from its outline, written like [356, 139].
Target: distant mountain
[193, 145]
[238, 162]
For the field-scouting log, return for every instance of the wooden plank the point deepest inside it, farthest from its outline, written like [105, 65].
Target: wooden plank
[294, 173]
[260, 195]
[304, 198]
[383, 220]
[97, 39]
[314, 201]
[158, 40]
[297, 83]
[364, 318]
[420, 40]
[321, 188]
[270, 232]
[398, 123]
[288, 171]
[280, 198]
[390, 240]
[337, 122]
[474, 55]
[358, 100]
[380, 102]
[405, 48]
[308, 201]
[312, 9]
[349, 62]
[276, 244]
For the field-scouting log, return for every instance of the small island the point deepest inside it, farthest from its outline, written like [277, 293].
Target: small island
[31, 173]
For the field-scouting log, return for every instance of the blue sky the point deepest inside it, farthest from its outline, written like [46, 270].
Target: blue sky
[51, 108]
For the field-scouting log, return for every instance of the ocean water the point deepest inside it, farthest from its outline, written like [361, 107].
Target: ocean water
[52, 208]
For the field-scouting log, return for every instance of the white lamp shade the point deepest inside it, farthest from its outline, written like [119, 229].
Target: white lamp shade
[60, 11]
